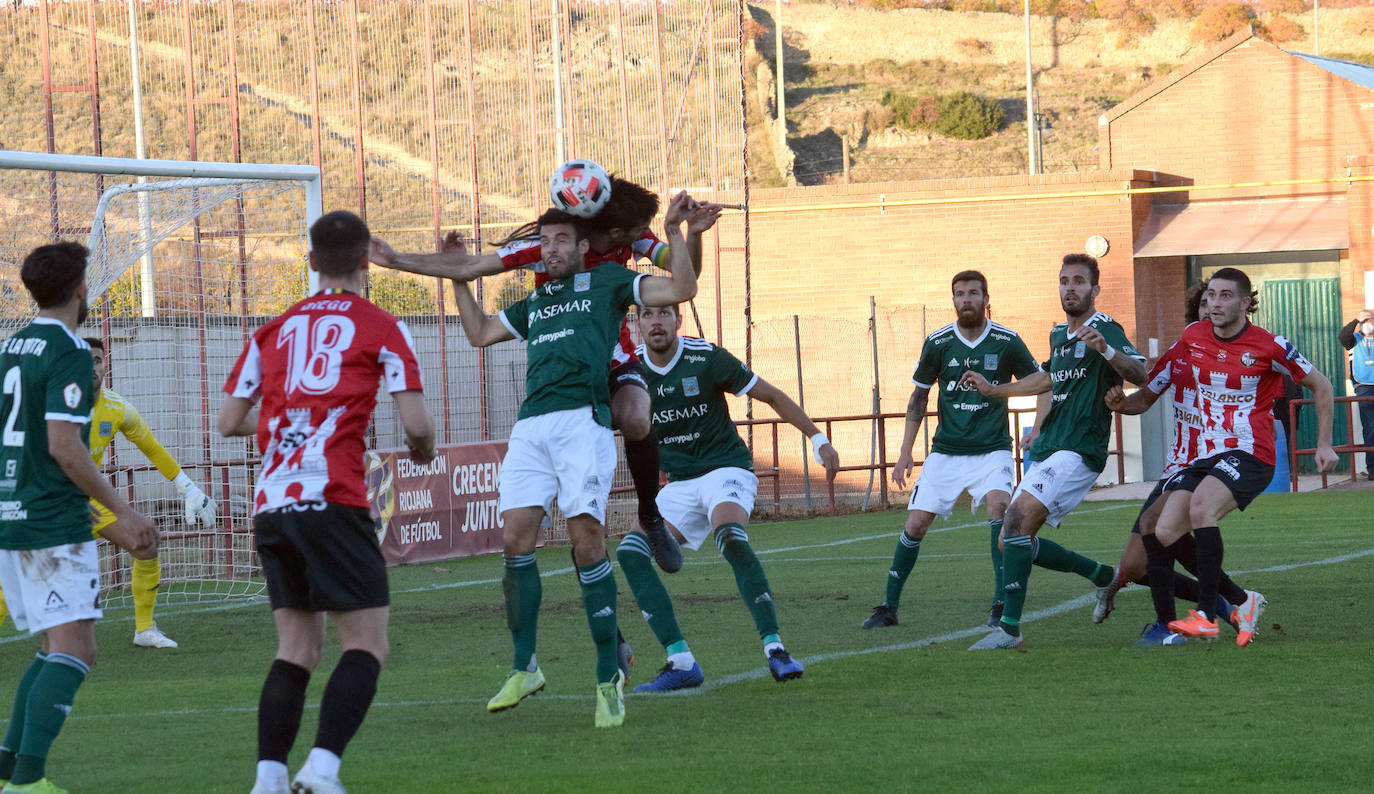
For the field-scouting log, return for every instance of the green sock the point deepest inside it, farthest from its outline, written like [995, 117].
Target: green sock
[50, 701]
[598, 598]
[995, 527]
[903, 560]
[1049, 554]
[753, 585]
[652, 597]
[524, 591]
[1016, 570]
[10, 749]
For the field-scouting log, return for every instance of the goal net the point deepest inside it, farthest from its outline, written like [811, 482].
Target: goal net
[187, 260]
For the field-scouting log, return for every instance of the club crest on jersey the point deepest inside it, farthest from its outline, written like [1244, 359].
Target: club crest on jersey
[1247, 358]
[71, 395]
[990, 361]
[1079, 349]
[106, 428]
[582, 282]
[690, 387]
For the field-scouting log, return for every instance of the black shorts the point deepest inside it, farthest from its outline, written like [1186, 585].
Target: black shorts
[631, 373]
[1243, 474]
[1149, 501]
[321, 557]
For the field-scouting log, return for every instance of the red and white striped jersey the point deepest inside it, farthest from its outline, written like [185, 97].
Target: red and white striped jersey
[1172, 370]
[316, 370]
[526, 253]
[1237, 382]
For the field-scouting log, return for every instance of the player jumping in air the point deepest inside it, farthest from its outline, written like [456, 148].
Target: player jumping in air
[114, 413]
[711, 485]
[315, 370]
[972, 447]
[561, 447]
[48, 560]
[1089, 354]
[1172, 374]
[1237, 368]
[619, 233]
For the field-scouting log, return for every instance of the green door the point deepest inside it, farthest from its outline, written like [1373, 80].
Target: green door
[1308, 313]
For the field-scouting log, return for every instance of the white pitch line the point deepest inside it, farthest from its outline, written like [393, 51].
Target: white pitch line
[748, 675]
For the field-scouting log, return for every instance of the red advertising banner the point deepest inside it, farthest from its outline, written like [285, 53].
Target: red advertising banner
[445, 509]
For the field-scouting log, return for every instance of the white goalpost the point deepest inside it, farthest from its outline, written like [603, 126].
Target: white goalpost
[187, 260]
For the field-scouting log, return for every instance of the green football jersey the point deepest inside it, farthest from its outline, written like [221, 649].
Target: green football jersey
[971, 424]
[689, 414]
[47, 375]
[570, 327]
[1078, 419]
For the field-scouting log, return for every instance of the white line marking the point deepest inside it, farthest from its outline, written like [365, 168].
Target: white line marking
[748, 675]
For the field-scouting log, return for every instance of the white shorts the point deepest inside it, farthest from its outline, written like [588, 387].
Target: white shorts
[48, 587]
[944, 477]
[564, 455]
[688, 504]
[1058, 482]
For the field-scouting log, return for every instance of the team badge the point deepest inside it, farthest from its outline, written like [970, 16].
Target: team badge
[1079, 349]
[690, 387]
[582, 282]
[1247, 358]
[106, 428]
[990, 361]
[71, 395]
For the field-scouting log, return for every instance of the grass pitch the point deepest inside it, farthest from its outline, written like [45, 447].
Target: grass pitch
[903, 708]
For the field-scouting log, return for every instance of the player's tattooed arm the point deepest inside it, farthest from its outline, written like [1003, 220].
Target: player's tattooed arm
[1137, 403]
[1128, 367]
[916, 408]
[453, 262]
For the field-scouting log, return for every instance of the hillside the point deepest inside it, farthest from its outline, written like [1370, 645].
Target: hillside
[841, 60]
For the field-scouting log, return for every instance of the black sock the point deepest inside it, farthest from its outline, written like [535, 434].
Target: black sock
[1232, 592]
[347, 697]
[279, 709]
[1185, 551]
[641, 458]
[1209, 555]
[1185, 588]
[1160, 569]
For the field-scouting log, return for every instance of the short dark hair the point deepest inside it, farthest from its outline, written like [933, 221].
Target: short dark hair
[1242, 283]
[969, 275]
[1082, 260]
[1192, 302]
[630, 205]
[557, 217]
[96, 342]
[339, 241]
[51, 273]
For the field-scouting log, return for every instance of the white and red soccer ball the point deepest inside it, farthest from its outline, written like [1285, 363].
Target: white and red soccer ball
[580, 187]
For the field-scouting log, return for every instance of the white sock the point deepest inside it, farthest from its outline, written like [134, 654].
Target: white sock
[325, 763]
[682, 661]
[768, 648]
[273, 774]
[534, 664]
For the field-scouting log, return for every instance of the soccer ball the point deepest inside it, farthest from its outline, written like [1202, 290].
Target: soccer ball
[580, 187]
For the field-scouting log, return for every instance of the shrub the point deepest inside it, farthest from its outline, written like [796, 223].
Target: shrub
[968, 116]
[1286, 6]
[901, 106]
[1220, 20]
[1282, 29]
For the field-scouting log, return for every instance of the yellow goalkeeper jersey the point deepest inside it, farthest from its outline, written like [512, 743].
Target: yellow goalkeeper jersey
[112, 414]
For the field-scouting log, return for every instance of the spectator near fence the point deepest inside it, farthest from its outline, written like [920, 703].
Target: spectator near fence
[1357, 337]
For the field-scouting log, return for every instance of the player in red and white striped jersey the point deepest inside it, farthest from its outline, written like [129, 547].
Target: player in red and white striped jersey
[316, 369]
[1170, 373]
[619, 233]
[1237, 368]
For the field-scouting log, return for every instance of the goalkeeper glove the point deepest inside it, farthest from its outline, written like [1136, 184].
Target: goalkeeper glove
[199, 507]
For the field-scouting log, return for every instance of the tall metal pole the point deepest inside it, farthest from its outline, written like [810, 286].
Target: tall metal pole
[1032, 159]
[1316, 29]
[777, 44]
[147, 295]
[559, 153]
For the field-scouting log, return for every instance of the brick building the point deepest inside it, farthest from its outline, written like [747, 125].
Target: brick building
[1262, 139]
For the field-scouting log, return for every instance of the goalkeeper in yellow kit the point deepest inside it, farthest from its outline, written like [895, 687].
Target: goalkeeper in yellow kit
[113, 413]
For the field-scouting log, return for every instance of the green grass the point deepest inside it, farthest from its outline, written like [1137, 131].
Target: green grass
[1078, 708]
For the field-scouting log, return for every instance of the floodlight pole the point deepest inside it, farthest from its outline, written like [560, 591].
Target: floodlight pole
[1316, 29]
[559, 153]
[1033, 161]
[147, 294]
[777, 53]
